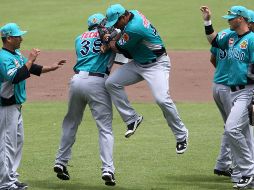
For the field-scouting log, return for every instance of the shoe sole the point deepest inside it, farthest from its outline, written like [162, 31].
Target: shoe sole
[181, 152]
[60, 174]
[130, 133]
[222, 174]
[108, 180]
[22, 188]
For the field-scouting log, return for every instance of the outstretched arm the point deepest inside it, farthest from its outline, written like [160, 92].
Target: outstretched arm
[53, 67]
[210, 33]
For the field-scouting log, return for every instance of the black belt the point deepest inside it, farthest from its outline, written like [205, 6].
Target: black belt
[158, 53]
[236, 88]
[8, 101]
[93, 74]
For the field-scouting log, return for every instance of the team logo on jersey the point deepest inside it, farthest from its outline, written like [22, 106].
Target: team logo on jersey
[244, 44]
[125, 37]
[231, 41]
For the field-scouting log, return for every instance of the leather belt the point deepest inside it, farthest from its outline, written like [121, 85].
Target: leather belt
[236, 88]
[8, 101]
[158, 53]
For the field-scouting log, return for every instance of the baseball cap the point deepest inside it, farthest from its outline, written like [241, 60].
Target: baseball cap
[251, 16]
[113, 13]
[95, 19]
[237, 11]
[11, 29]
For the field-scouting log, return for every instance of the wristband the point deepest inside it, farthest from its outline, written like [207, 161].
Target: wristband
[209, 30]
[207, 22]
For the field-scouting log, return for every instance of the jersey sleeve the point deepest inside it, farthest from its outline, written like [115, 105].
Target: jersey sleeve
[8, 69]
[251, 50]
[223, 40]
[213, 50]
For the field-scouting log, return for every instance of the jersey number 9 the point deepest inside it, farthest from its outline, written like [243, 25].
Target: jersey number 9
[95, 48]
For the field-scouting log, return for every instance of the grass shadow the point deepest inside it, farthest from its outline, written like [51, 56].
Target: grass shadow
[201, 181]
[68, 185]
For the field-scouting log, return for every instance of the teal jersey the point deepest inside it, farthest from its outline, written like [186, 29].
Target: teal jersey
[140, 39]
[222, 65]
[240, 57]
[89, 57]
[9, 63]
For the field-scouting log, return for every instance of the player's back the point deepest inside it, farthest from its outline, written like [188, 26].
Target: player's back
[141, 39]
[89, 56]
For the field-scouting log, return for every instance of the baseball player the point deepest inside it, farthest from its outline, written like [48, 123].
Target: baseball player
[222, 98]
[240, 47]
[141, 42]
[87, 87]
[14, 70]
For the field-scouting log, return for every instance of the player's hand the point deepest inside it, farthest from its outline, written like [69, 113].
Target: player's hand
[106, 38]
[104, 48]
[33, 54]
[57, 65]
[206, 13]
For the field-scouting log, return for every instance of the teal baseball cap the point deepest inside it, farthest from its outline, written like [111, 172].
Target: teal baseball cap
[95, 19]
[237, 11]
[11, 29]
[251, 16]
[113, 13]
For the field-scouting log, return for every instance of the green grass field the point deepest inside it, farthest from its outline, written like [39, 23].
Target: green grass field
[54, 24]
[145, 161]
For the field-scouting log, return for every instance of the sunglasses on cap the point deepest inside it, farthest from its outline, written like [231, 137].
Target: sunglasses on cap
[234, 13]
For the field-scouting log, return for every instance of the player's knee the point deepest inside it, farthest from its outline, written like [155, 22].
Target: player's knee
[231, 131]
[161, 101]
[111, 84]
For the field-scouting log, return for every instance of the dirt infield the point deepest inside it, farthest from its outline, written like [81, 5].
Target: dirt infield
[190, 79]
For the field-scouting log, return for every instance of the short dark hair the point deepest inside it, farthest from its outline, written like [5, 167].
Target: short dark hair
[93, 27]
[126, 13]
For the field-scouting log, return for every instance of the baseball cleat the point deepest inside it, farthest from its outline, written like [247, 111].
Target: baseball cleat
[181, 147]
[21, 185]
[226, 173]
[61, 172]
[244, 181]
[131, 128]
[109, 178]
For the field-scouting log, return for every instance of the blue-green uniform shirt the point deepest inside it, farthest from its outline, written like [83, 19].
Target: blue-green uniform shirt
[9, 63]
[140, 39]
[89, 57]
[240, 57]
[222, 65]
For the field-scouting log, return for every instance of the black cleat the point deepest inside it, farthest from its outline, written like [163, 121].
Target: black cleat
[21, 185]
[226, 173]
[244, 181]
[61, 171]
[109, 178]
[131, 128]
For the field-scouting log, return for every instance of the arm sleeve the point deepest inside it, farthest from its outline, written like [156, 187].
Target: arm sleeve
[21, 74]
[213, 51]
[36, 69]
